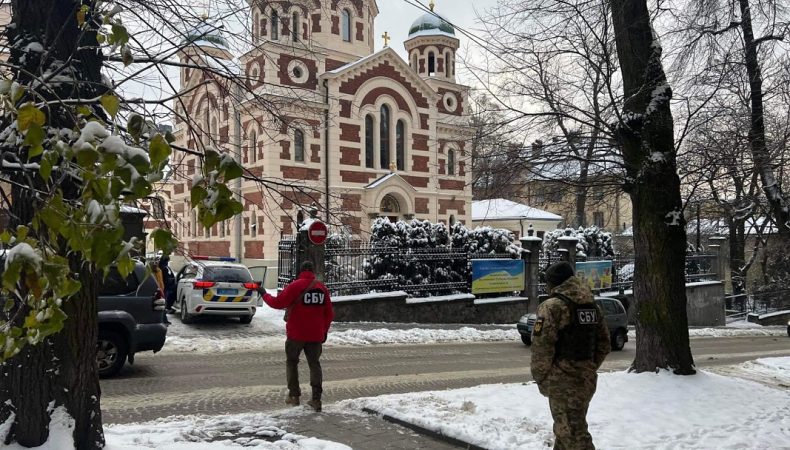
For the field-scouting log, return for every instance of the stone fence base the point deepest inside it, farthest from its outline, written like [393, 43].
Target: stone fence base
[462, 308]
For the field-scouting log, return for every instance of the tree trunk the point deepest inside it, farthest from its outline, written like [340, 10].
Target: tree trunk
[647, 142]
[737, 238]
[762, 158]
[61, 372]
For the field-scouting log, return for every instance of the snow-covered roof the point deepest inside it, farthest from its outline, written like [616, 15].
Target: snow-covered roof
[501, 209]
[380, 181]
[207, 34]
[132, 210]
[431, 24]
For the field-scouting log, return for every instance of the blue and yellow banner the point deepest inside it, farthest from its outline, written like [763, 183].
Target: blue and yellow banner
[595, 274]
[497, 275]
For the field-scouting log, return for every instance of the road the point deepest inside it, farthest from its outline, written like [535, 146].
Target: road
[228, 383]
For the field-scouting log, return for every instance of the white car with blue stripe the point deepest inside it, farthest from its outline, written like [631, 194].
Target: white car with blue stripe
[216, 286]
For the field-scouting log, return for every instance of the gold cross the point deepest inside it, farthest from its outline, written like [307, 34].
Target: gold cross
[432, 5]
[386, 36]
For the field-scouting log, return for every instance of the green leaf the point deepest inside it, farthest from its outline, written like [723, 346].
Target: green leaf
[81, 13]
[120, 35]
[164, 241]
[84, 111]
[87, 156]
[111, 104]
[199, 193]
[135, 126]
[28, 116]
[159, 150]
[125, 265]
[34, 138]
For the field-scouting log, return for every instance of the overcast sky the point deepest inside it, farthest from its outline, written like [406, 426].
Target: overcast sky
[396, 17]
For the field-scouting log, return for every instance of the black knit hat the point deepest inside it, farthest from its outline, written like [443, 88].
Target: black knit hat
[557, 273]
[307, 266]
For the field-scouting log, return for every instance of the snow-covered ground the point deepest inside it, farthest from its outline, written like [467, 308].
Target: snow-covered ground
[258, 431]
[645, 411]
[267, 330]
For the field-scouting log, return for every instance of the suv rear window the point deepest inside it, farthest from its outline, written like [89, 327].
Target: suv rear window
[227, 274]
[115, 284]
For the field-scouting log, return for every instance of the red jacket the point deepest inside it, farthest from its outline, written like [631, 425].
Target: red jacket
[311, 311]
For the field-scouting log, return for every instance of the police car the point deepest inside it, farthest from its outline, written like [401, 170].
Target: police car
[215, 286]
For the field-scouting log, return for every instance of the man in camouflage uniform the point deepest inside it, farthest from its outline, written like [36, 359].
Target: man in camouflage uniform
[569, 343]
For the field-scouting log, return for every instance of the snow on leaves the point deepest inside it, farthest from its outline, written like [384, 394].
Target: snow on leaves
[593, 242]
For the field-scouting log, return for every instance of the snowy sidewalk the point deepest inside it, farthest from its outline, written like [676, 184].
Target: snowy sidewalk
[645, 411]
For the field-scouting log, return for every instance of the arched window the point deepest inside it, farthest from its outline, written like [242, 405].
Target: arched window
[213, 131]
[447, 64]
[400, 145]
[253, 147]
[384, 137]
[295, 27]
[369, 147]
[431, 64]
[255, 31]
[299, 145]
[414, 61]
[345, 17]
[275, 26]
[451, 162]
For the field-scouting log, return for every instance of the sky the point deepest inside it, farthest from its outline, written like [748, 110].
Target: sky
[396, 17]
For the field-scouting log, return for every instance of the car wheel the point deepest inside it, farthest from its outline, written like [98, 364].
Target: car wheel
[186, 318]
[111, 352]
[526, 339]
[618, 340]
[245, 319]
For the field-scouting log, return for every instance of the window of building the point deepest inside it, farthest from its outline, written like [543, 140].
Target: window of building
[275, 26]
[447, 64]
[222, 229]
[295, 27]
[384, 137]
[158, 206]
[431, 64]
[598, 219]
[255, 31]
[345, 16]
[414, 61]
[451, 162]
[254, 225]
[369, 146]
[253, 147]
[193, 224]
[400, 145]
[299, 145]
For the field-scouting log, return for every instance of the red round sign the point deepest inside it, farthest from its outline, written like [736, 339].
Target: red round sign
[317, 232]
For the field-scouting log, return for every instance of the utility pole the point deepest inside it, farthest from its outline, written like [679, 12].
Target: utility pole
[237, 144]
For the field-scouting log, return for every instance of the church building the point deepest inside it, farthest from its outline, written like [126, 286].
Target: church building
[326, 121]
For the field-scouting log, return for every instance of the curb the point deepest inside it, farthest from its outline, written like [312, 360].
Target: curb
[430, 433]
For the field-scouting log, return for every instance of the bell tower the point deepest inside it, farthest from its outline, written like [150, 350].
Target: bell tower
[432, 46]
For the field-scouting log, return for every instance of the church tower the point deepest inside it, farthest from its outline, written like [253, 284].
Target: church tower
[432, 46]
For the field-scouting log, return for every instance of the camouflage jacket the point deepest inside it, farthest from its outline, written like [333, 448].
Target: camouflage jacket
[553, 316]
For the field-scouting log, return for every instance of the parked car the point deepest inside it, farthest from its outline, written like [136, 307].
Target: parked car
[215, 286]
[131, 313]
[614, 314]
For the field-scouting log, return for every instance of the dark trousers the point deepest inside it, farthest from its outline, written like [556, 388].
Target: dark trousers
[312, 351]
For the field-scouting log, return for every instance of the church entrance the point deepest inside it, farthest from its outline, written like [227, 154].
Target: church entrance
[390, 208]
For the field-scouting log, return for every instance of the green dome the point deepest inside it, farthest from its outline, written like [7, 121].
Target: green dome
[205, 33]
[431, 24]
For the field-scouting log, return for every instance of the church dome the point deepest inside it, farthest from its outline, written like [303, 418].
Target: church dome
[431, 24]
[206, 34]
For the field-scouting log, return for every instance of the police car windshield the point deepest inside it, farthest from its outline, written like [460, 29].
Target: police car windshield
[227, 274]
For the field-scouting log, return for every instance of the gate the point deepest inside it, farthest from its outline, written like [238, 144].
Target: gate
[286, 262]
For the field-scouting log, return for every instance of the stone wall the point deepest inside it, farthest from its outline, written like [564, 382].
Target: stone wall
[705, 304]
[398, 309]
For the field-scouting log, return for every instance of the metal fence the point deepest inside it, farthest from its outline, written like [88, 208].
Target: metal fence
[357, 267]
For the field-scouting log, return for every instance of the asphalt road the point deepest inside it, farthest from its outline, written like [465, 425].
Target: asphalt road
[228, 383]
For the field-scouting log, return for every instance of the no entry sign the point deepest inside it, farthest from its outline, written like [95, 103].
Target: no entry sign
[317, 232]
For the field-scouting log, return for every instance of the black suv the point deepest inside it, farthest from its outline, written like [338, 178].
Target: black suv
[131, 314]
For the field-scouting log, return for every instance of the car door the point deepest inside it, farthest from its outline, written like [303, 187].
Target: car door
[184, 281]
[259, 276]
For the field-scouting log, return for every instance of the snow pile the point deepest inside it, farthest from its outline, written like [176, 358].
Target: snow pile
[205, 433]
[659, 411]
[776, 369]
[61, 430]
[728, 331]
[419, 336]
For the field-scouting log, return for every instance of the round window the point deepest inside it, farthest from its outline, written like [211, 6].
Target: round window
[298, 72]
[450, 102]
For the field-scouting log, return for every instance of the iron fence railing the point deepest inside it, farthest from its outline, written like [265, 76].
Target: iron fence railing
[286, 262]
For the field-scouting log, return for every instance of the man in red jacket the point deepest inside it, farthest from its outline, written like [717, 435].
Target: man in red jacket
[308, 317]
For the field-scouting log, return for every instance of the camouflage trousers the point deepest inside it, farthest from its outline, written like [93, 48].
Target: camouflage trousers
[569, 402]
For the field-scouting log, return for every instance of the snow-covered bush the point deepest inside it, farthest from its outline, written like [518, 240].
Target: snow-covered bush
[593, 242]
[428, 253]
